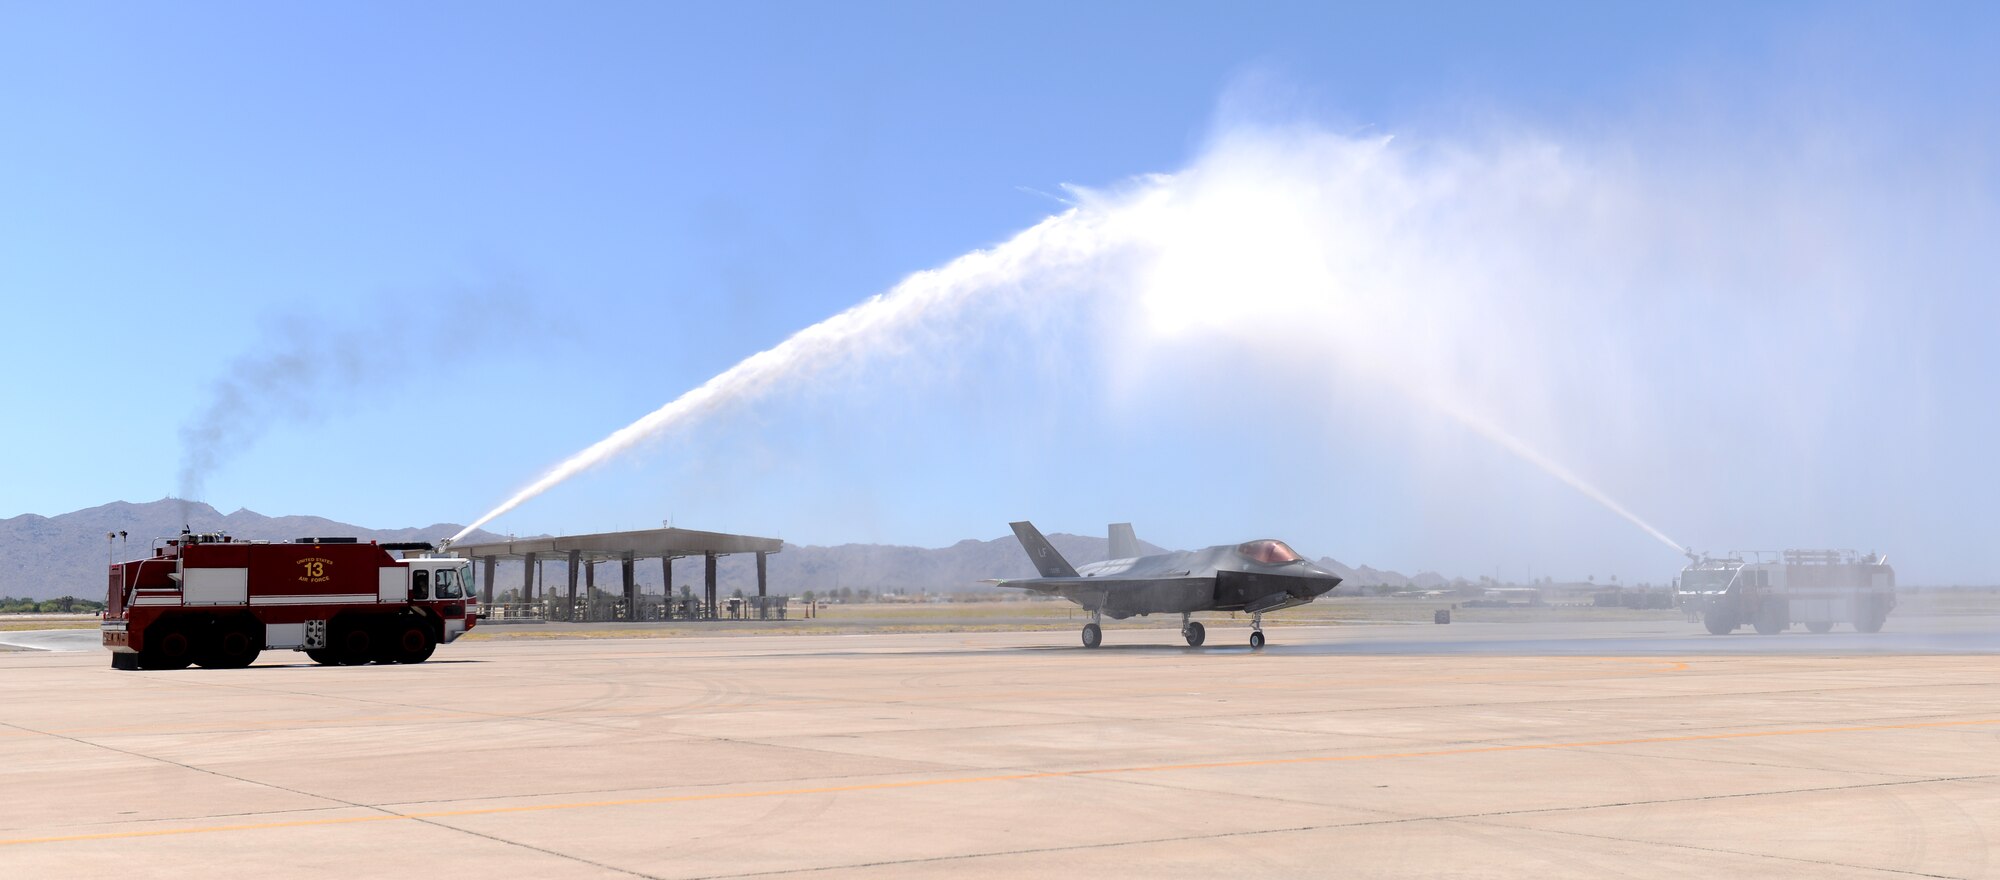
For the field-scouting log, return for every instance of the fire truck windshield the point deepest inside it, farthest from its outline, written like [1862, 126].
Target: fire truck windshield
[1710, 580]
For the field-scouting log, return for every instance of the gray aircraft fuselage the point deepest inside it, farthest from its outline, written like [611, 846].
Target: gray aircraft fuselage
[1253, 577]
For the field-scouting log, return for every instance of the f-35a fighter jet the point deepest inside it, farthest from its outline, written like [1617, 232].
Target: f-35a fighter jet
[1255, 576]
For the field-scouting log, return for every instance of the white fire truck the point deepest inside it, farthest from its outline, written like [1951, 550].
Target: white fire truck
[1771, 590]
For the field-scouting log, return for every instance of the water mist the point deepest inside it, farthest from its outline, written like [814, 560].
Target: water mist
[1355, 242]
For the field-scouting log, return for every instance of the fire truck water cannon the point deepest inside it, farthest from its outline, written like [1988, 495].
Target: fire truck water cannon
[211, 600]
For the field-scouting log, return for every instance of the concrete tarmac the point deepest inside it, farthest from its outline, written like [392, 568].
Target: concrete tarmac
[1633, 749]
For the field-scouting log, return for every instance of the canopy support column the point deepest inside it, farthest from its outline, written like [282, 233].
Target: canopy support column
[570, 612]
[631, 586]
[667, 577]
[708, 584]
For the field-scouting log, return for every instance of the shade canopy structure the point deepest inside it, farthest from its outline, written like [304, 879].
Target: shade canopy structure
[584, 552]
[645, 544]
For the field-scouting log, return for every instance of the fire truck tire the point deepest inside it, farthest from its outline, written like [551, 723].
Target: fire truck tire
[166, 648]
[414, 643]
[1871, 623]
[1771, 620]
[230, 645]
[354, 646]
[324, 656]
[1718, 623]
[1820, 627]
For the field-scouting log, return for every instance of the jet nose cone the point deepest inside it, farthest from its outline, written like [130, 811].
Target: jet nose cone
[1325, 583]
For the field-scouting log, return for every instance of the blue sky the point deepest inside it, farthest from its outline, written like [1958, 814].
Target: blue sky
[647, 193]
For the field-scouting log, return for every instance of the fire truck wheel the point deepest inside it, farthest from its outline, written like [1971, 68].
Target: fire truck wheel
[230, 647]
[1718, 623]
[1820, 627]
[1770, 622]
[354, 647]
[414, 644]
[1871, 624]
[324, 656]
[167, 648]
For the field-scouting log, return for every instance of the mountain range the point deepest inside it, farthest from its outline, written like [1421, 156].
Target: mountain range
[45, 557]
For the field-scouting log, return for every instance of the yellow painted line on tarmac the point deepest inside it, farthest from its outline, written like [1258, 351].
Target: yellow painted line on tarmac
[1662, 664]
[1008, 777]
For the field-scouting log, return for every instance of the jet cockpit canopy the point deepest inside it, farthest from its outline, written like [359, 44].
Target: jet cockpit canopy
[1268, 552]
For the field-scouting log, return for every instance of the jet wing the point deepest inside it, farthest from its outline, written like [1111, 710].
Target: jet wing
[1124, 597]
[1099, 584]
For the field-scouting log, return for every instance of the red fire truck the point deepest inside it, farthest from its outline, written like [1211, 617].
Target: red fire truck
[215, 601]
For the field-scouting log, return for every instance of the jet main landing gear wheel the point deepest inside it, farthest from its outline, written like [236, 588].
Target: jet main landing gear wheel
[1093, 635]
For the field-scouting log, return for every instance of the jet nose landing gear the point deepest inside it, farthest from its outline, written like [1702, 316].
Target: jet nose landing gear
[1257, 632]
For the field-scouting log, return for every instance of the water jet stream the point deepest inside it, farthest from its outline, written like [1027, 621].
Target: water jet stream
[1505, 440]
[1264, 231]
[930, 295]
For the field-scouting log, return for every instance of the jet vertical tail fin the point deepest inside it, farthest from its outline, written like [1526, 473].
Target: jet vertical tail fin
[1124, 542]
[1041, 552]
